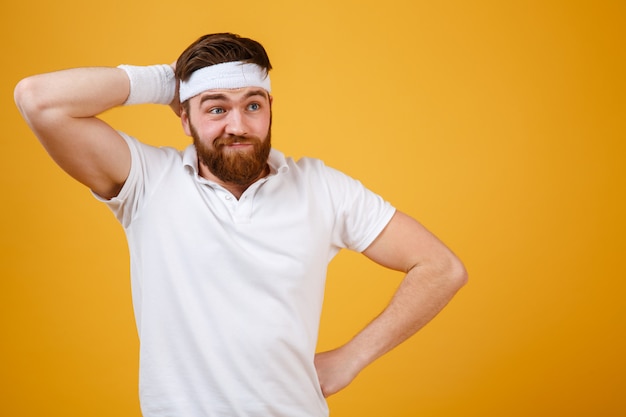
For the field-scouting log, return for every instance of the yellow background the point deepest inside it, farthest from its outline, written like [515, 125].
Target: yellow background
[500, 125]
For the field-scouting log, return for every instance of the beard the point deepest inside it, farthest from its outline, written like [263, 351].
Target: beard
[238, 166]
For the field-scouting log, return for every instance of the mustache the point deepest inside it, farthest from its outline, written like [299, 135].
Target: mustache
[232, 139]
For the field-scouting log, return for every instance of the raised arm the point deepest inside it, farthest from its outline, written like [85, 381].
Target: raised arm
[433, 275]
[61, 109]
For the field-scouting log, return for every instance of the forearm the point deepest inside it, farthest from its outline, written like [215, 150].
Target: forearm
[420, 297]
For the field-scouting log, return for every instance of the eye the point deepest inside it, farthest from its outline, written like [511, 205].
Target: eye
[216, 110]
[254, 106]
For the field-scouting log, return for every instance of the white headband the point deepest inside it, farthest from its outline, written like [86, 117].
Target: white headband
[235, 74]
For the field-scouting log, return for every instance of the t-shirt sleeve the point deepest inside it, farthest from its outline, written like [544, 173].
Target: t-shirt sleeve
[147, 165]
[360, 214]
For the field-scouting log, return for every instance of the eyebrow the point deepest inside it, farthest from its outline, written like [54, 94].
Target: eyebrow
[221, 96]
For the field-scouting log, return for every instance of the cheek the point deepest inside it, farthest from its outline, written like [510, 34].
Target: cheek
[262, 129]
[208, 131]
[262, 126]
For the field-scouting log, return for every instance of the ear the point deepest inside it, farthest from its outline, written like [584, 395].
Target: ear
[184, 120]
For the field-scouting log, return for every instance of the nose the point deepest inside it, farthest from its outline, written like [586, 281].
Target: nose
[235, 124]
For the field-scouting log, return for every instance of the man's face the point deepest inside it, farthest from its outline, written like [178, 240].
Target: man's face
[231, 130]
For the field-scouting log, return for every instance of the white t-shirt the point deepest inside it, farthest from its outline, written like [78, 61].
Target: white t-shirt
[227, 293]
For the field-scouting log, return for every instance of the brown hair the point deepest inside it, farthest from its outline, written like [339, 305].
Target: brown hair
[218, 48]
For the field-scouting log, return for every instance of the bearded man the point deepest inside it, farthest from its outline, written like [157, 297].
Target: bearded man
[229, 239]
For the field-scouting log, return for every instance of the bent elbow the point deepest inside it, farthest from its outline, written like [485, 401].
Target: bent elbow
[455, 273]
[28, 98]
[21, 93]
[458, 273]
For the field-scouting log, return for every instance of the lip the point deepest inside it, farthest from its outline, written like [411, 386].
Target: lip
[239, 144]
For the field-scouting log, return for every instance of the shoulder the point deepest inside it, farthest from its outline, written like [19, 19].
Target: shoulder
[313, 167]
[296, 169]
[151, 164]
[145, 154]
[143, 147]
[316, 174]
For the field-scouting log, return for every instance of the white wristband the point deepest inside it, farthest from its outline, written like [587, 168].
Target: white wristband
[150, 84]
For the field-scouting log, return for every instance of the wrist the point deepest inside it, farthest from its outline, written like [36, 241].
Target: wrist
[150, 84]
